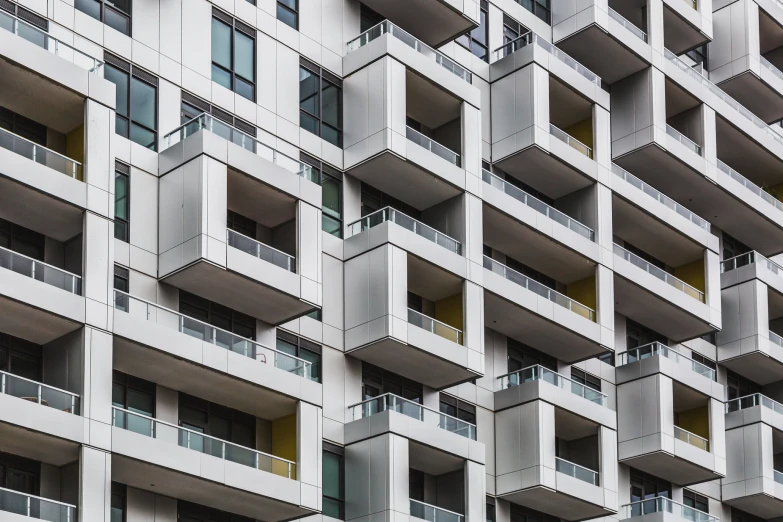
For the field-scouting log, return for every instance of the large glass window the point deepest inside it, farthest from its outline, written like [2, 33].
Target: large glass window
[477, 40]
[233, 55]
[333, 481]
[320, 103]
[288, 12]
[217, 315]
[136, 102]
[219, 421]
[457, 408]
[540, 8]
[122, 203]
[302, 348]
[377, 381]
[332, 212]
[22, 240]
[645, 486]
[24, 127]
[694, 500]
[118, 502]
[589, 380]
[20, 357]
[114, 13]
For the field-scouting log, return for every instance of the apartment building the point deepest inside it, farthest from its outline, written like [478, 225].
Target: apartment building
[343, 260]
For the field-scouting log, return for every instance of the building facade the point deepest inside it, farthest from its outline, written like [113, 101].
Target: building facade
[451, 260]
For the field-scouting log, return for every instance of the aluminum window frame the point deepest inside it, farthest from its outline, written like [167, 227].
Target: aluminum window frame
[105, 4]
[236, 26]
[131, 71]
[325, 78]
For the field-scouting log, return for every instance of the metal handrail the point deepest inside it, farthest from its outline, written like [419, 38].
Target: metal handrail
[566, 138]
[682, 138]
[664, 504]
[389, 214]
[660, 196]
[64, 504]
[436, 508]
[659, 273]
[531, 37]
[389, 404]
[153, 421]
[291, 264]
[75, 282]
[537, 205]
[539, 373]
[75, 398]
[628, 25]
[689, 438]
[749, 258]
[432, 145]
[387, 27]
[96, 63]
[544, 291]
[435, 323]
[589, 472]
[736, 176]
[205, 121]
[753, 400]
[76, 169]
[305, 366]
[656, 348]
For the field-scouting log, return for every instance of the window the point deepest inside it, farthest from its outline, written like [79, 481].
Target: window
[694, 500]
[377, 381]
[457, 408]
[699, 55]
[512, 29]
[192, 107]
[115, 13]
[637, 335]
[582, 377]
[24, 127]
[477, 40]
[490, 509]
[21, 357]
[741, 516]
[22, 475]
[711, 337]
[233, 55]
[302, 348]
[315, 315]
[333, 481]
[531, 273]
[374, 200]
[216, 420]
[320, 102]
[522, 356]
[121, 283]
[137, 100]
[119, 495]
[331, 195]
[709, 363]
[732, 247]
[525, 514]
[121, 201]
[644, 255]
[22, 240]
[645, 486]
[540, 8]
[607, 358]
[368, 19]
[288, 12]
[217, 315]
[738, 386]
[136, 396]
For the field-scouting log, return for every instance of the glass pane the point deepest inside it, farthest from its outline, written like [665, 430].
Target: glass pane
[139, 402]
[120, 125]
[142, 136]
[143, 103]
[291, 4]
[121, 196]
[221, 44]
[332, 106]
[120, 79]
[331, 196]
[308, 91]
[122, 5]
[116, 20]
[308, 123]
[331, 508]
[221, 76]
[286, 16]
[91, 7]
[331, 135]
[244, 56]
[244, 89]
[332, 486]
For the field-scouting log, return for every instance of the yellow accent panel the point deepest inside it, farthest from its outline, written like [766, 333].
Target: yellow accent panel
[449, 310]
[696, 421]
[583, 291]
[775, 190]
[692, 273]
[284, 444]
[74, 144]
[583, 131]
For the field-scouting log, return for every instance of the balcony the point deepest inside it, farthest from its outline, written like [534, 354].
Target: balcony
[570, 141]
[432, 146]
[684, 26]
[680, 363]
[192, 466]
[432, 513]
[15, 503]
[683, 139]
[434, 326]
[545, 318]
[663, 508]
[540, 383]
[188, 353]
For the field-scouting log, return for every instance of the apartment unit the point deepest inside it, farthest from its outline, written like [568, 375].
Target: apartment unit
[353, 260]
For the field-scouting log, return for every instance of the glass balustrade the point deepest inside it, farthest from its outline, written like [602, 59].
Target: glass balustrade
[682, 138]
[538, 372]
[659, 273]
[432, 513]
[260, 250]
[433, 146]
[38, 508]
[38, 393]
[657, 349]
[751, 401]
[40, 271]
[628, 25]
[691, 438]
[666, 505]
[749, 258]
[41, 155]
[575, 470]
[434, 326]
[417, 227]
[147, 311]
[739, 178]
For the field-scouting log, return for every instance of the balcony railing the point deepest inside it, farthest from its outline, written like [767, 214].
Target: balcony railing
[147, 311]
[778, 476]
[37, 153]
[655, 349]
[414, 410]
[570, 140]
[532, 38]
[660, 196]
[682, 138]
[434, 326]
[432, 513]
[40, 38]
[38, 508]
[691, 438]
[202, 443]
[538, 372]
[661, 274]
[417, 227]
[433, 146]
[211, 124]
[575, 470]
[736, 176]
[717, 91]
[767, 64]
[40, 271]
[628, 25]
[775, 338]
[536, 287]
[537, 205]
[263, 252]
[751, 401]
[749, 258]
[666, 505]
[39, 393]
[386, 27]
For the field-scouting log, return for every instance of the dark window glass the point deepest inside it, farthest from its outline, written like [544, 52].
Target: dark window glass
[216, 420]
[607, 358]
[121, 206]
[732, 247]
[709, 363]
[331, 209]
[121, 279]
[377, 381]
[24, 127]
[522, 356]
[644, 255]
[115, 13]
[234, 56]
[738, 386]
[637, 335]
[333, 485]
[217, 315]
[645, 486]
[696, 501]
[22, 475]
[20, 357]
[741, 516]
[582, 377]
[190, 512]
[476, 41]
[369, 19]
[457, 408]
[490, 509]
[135, 395]
[136, 114]
[118, 502]
[320, 104]
[541, 8]
[288, 12]
[303, 349]
[22, 240]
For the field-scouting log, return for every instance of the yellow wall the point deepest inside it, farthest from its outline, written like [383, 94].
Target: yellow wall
[74, 144]
[696, 421]
[583, 291]
[776, 191]
[449, 310]
[284, 444]
[583, 131]
[692, 273]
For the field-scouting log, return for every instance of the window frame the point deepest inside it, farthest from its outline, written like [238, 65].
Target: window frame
[329, 174]
[131, 71]
[300, 344]
[235, 26]
[695, 498]
[122, 171]
[325, 78]
[467, 40]
[102, 5]
[119, 491]
[339, 452]
[463, 410]
[214, 311]
[585, 379]
[281, 5]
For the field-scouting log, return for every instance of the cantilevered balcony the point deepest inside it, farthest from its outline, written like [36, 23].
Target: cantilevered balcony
[14, 504]
[432, 513]
[663, 508]
[684, 24]
[162, 345]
